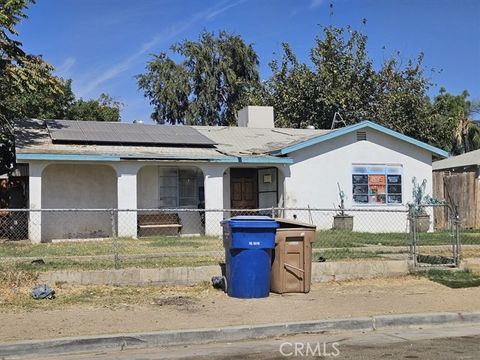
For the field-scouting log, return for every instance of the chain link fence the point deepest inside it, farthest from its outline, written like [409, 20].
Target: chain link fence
[66, 239]
[431, 247]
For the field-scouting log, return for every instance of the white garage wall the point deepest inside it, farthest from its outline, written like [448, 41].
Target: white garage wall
[67, 186]
[317, 169]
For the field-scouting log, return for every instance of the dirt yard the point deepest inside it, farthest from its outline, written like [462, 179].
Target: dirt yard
[106, 310]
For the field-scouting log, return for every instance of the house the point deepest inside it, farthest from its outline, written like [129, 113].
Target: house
[96, 165]
[456, 179]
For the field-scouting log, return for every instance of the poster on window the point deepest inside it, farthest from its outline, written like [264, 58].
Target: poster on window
[377, 189]
[377, 185]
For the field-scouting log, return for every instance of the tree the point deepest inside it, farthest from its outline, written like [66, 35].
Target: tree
[401, 101]
[292, 92]
[105, 108]
[341, 77]
[456, 113]
[20, 74]
[213, 80]
[28, 88]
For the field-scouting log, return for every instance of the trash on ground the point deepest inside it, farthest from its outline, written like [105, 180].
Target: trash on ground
[43, 292]
[37, 262]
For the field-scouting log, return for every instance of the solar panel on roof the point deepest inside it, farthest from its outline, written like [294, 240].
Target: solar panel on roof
[121, 133]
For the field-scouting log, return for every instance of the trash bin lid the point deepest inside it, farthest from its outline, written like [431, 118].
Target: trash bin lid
[251, 221]
[288, 223]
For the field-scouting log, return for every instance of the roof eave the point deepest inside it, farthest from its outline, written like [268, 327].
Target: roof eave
[90, 157]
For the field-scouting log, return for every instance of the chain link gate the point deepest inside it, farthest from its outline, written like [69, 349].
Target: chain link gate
[430, 245]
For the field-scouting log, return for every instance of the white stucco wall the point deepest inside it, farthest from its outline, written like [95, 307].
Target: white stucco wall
[67, 186]
[317, 169]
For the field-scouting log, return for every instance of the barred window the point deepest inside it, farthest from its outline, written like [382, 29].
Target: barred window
[377, 184]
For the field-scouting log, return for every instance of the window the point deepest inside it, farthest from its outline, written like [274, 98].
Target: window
[180, 187]
[377, 184]
[188, 187]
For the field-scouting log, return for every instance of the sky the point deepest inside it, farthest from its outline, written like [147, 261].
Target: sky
[103, 44]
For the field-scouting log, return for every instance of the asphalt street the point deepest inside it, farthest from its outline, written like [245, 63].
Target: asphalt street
[454, 342]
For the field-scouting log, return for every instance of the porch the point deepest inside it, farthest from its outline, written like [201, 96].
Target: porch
[171, 187]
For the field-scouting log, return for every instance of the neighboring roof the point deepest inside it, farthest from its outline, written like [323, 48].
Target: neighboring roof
[471, 158]
[359, 126]
[232, 144]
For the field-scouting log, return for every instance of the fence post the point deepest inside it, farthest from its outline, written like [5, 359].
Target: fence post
[273, 212]
[413, 234]
[116, 257]
[456, 222]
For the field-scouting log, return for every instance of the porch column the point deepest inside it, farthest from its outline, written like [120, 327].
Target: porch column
[214, 194]
[127, 199]
[35, 201]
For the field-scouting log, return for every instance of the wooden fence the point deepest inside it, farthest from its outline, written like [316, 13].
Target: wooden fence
[460, 190]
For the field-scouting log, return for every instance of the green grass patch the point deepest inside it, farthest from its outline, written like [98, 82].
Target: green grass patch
[100, 264]
[343, 254]
[343, 238]
[453, 278]
[105, 247]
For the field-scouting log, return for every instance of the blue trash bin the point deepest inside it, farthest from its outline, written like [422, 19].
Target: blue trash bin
[249, 242]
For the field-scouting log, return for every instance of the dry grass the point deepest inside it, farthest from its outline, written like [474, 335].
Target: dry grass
[14, 299]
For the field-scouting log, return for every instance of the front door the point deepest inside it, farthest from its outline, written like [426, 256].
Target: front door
[244, 188]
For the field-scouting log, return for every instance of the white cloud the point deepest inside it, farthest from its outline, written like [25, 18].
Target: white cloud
[64, 69]
[219, 11]
[167, 34]
[315, 3]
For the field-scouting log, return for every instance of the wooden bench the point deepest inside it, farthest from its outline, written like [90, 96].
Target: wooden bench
[158, 224]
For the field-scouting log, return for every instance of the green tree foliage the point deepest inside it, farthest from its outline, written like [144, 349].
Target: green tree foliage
[401, 101]
[213, 80]
[28, 88]
[21, 74]
[105, 108]
[292, 91]
[455, 114]
[341, 77]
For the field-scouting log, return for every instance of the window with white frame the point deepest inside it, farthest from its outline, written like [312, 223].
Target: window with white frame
[377, 184]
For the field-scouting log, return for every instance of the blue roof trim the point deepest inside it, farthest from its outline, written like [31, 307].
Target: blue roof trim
[255, 160]
[222, 159]
[364, 124]
[265, 160]
[67, 157]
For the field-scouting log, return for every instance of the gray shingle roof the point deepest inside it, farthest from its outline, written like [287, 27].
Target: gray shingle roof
[32, 136]
[467, 159]
[250, 141]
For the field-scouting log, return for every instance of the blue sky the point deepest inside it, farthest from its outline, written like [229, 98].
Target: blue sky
[103, 44]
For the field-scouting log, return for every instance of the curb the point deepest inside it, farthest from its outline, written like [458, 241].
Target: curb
[227, 334]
